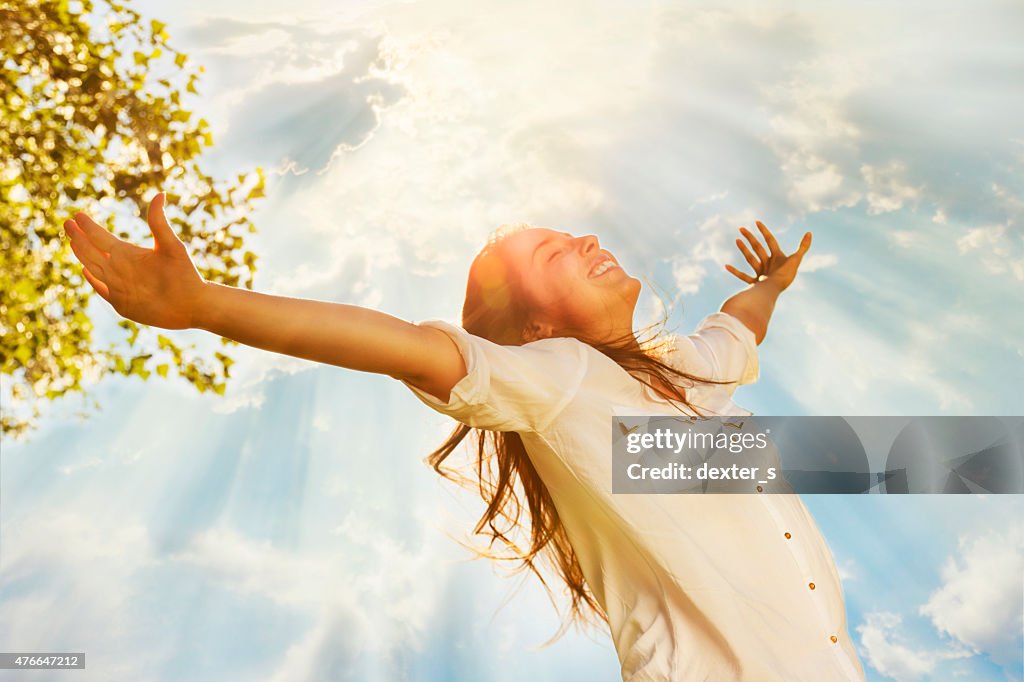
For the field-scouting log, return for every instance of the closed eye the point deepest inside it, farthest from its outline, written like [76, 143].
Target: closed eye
[558, 253]
[562, 250]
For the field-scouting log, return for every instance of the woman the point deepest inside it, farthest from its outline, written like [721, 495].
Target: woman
[692, 587]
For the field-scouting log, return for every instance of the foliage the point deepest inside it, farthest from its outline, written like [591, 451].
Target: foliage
[92, 118]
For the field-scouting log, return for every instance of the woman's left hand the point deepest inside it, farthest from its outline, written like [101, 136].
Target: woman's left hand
[772, 265]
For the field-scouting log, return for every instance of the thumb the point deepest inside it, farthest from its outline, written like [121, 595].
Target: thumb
[805, 244]
[162, 232]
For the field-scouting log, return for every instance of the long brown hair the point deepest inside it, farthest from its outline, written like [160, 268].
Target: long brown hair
[496, 309]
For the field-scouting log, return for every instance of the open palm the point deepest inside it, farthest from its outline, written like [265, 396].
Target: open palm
[159, 286]
[772, 264]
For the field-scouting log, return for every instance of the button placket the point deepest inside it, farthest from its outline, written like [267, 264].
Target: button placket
[795, 552]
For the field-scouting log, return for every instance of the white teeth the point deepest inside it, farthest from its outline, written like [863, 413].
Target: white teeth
[603, 267]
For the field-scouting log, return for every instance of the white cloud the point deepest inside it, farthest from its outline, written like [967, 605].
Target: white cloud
[924, 333]
[887, 650]
[68, 469]
[717, 196]
[362, 615]
[978, 237]
[251, 372]
[94, 565]
[888, 187]
[815, 184]
[338, 646]
[810, 127]
[979, 602]
[818, 261]
[1000, 250]
[977, 608]
[688, 276]
[831, 342]
[905, 238]
[89, 566]
[1011, 201]
[848, 570]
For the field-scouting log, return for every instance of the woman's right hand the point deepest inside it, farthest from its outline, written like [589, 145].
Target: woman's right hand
[159, 287]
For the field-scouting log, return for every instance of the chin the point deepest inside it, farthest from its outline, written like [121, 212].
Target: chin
[634, 287]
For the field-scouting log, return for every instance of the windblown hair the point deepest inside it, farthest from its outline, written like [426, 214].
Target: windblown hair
[496, 309]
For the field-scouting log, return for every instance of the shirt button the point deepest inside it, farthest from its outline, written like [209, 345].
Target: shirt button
[810, 585]
[760, 489]
[788, 536]
[834, 639]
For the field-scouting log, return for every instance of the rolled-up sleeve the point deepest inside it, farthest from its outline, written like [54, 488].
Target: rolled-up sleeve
[722, 348]
[509, 388]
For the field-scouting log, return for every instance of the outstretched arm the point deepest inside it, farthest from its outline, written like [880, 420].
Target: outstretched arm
[773, 273]
[162, 288]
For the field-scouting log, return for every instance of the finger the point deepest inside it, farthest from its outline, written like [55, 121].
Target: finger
[162, 232]
[754, 263]
[742, 275]
[805, 244]
[798, 255]
[88, 254]
[100, 236]
[101, 288]
[758, 249]
[769, 238]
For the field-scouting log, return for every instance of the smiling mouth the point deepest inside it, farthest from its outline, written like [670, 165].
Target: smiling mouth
[603, 267]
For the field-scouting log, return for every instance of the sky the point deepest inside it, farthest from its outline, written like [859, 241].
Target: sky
[290, 530]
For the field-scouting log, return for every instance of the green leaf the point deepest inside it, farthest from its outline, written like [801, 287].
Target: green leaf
[22, 354]
[158, 30]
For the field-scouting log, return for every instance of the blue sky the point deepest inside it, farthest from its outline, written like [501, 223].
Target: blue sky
[289, 530]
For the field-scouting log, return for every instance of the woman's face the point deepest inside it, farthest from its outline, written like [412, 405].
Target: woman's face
[574, 285]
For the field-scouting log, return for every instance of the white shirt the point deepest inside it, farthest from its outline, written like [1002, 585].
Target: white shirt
[696, 586]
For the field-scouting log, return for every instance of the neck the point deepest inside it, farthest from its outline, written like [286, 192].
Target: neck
[623, 334]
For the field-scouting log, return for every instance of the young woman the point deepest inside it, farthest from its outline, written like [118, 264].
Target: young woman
[692, 587]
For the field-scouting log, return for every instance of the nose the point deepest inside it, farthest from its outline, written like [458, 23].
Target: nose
[589, 244]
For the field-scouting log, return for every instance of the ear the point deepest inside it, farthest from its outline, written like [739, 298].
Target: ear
[537, 330]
